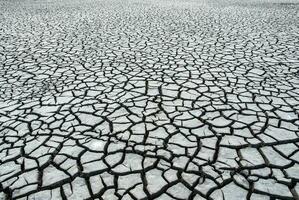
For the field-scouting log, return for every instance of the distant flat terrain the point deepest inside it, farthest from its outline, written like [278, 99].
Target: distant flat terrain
[149, 99]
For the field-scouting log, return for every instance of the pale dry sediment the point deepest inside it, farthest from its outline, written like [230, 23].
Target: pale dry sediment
[157, 99]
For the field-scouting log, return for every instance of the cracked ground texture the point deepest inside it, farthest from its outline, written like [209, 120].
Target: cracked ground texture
[154, 99]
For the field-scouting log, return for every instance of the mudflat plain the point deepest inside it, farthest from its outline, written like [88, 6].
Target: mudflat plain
[149, 99]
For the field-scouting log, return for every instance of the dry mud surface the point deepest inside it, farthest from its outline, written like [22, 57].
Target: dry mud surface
[154, 99]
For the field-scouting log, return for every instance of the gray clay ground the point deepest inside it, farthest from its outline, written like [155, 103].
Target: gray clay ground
[149, 99]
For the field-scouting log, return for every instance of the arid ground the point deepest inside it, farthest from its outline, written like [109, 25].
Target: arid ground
[149, 99]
